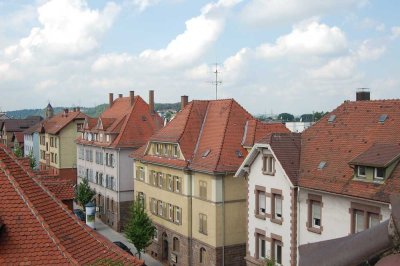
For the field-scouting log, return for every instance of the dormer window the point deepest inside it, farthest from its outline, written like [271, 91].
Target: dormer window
[175, 150]
[107, 138]
[361, 171]
[379, 173]
[157, 149]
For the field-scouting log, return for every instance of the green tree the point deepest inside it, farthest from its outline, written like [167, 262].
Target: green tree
[32, 160]
[83, 193]
[286, 117]
[18, 152]
[139, 230]
[318, 115]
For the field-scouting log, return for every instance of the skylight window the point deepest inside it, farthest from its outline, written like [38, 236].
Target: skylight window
[382, 118]
[239, 154]
[321, 165]
[206, 153]
[332, 118]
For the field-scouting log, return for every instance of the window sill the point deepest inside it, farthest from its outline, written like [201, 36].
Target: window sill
[203, 233]
[261, 216]
[277, 221]
[268, 173]
[315, 230]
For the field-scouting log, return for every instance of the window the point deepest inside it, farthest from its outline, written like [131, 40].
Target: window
[261, 203]
[140, 173]
[178, 214]
[51, 142]
[160, 208]
[101, 179]
[81, 154]
[202, 255]
[170, 212]
[170, 182]
[175, 244]
[203, 223]
[157, 148]
[154, 206]
[277, 246]
[155, 236]
[107, 159]
[141, 198]
[360, 171]
[379, 173]
[160, 180]
[203, 189]
[176, 154]
[108, 138]
[55, 158]
[314, 213]
[261, 248]
[363, 216]
[154, 175]
[276, 207]
[177, 184]
[268, 165]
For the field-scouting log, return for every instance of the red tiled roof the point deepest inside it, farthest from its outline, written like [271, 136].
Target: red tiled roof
[132, 123]
[256, 130]
[56, 123]
[286, 147]
[354, 131]
[39, 229]
[62, 188]
[217, 126]
[19, 125]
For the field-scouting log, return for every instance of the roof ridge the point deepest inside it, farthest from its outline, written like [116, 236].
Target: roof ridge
[224, 135]
[187, 120]
[53, 237]
[201, 131]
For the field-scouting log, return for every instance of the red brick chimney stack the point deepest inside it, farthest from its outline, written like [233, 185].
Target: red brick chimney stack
[132, 97]
[110, 99]
[184, 101]
[151, 101]
[120, 95]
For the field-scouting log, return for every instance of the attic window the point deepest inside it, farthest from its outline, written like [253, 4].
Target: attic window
[239, 154]
[321, 165]
[332, 118]
[206, 153]
[382, 118]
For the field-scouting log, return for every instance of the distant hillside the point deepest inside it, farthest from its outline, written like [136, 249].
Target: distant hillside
[90, 111]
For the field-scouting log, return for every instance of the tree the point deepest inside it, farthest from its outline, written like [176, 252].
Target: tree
[286, 117]
[18, 152]
[32, 160]
[318, 115]
[139, 230]
[83, 193]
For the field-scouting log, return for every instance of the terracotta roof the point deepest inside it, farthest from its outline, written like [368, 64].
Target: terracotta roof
[210, 136]
[19, 136]
[62, 188]
[133, 124]
[355, 130]
[33, 129]
[378, 155]
[39, 229]
[256, 130]
[56, 123]
[286, 147]
[19, 125]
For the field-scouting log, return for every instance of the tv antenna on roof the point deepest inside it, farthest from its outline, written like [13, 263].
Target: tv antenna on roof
[216, 82]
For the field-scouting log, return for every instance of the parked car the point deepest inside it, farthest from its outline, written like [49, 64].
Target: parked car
[123, 246]
[80, 214]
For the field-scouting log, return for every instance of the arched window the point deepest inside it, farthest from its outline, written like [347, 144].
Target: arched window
[202, 255]
[176, 244]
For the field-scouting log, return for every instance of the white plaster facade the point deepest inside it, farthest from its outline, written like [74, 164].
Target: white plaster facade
[335, 215]
[116, 184]
[278, 181]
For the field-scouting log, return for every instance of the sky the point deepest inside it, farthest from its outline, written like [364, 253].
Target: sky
[273, 55]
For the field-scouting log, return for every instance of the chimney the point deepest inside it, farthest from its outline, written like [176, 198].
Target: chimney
[66, 112]
[132, 97]
[363, 94]
[120, 95]
[184, 101]
[110, 99]
[78, 109]
[151, 101]
[74, 109]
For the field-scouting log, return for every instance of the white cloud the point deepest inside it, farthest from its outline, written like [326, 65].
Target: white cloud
[268, 12]
[200, 33]
[111, 61]
[306, 38]
[369, 51]
[144, 4]
[369, 23]
[395, 32]
[68, 28]
[336, 69]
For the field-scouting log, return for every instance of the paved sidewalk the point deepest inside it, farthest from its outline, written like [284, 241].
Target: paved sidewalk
[112, 235]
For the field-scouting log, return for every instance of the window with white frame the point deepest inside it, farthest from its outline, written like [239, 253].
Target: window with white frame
[177, 184]
[277, 204]
[277, 245]
[379, 173]
[160, 208]
[170, 181]
[203, 223]
[177, 215]
[261, 203]
[364, 217]
[268, 165]
[170, 212]
[361, 171]
[316, 214]
[261, 247]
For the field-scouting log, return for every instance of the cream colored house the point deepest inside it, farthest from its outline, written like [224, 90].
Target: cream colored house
[184, 176]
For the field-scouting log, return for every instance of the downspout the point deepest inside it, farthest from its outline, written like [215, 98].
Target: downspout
[223, 220]
[118, 190]
[191, 221]
[298, 222]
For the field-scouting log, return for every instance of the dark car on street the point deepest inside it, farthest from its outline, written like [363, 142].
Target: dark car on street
[80, 214]
[123, 246]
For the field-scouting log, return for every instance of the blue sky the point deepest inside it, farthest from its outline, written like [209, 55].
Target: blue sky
[274, 55]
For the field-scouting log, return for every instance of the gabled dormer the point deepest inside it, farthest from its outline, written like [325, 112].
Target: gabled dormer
[377, 163]
[165, 149]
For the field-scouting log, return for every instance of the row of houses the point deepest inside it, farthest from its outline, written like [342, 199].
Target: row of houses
[223, 188]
